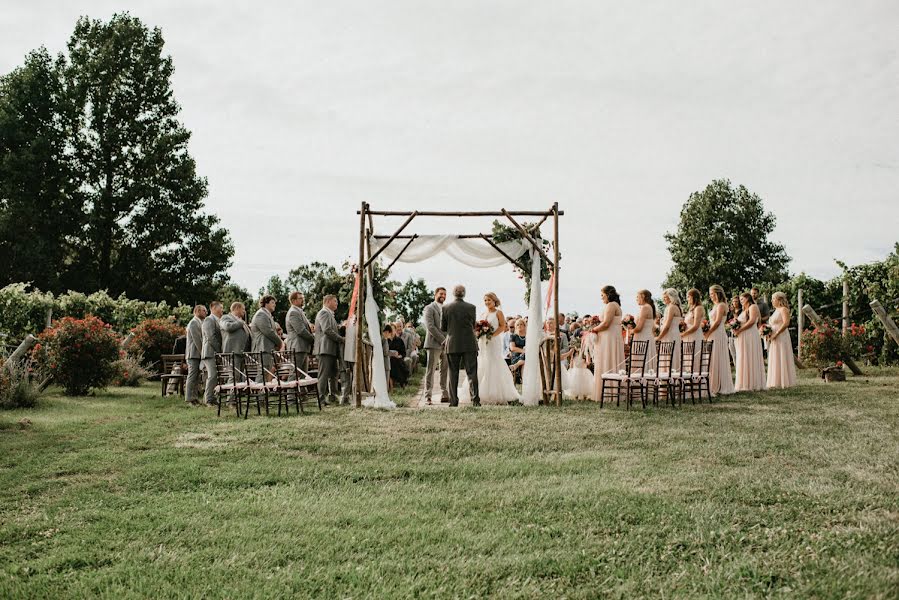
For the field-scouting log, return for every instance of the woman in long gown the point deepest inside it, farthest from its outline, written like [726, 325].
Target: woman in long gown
[781, 368]
[495, 384]
[693, 320]
[644, 322]
[608, 353]
[748, 342]
[670, 327]
[720, 378]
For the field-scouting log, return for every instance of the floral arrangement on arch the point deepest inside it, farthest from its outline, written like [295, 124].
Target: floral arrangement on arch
[507, 233]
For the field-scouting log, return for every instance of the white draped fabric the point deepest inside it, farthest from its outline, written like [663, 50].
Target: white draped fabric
[381, 399]
[473, 253]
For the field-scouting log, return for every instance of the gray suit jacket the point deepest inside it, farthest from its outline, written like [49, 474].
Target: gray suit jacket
[458, 322]
[234, 334]
[299, 334]
[212, 337]
[262, 332]
[327, 338]
[434, 336]
[194, 339]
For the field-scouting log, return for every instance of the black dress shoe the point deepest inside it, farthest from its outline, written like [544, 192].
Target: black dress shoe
[476, 403]
[453, 405]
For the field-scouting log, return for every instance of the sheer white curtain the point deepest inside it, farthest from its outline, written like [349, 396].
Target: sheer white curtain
[473, 253]
[381, 399]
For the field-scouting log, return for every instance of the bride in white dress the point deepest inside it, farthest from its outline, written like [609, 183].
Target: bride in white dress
[495, 383]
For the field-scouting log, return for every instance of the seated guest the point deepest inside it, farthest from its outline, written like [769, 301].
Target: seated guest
[516, 346]
[398, 371]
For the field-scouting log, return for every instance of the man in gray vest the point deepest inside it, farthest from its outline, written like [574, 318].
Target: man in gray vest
[299, 331]
[458, 322]
[328, 342]
[212, 345]
[262, 333]
[235, 333]
[194, 352]
[434, 339]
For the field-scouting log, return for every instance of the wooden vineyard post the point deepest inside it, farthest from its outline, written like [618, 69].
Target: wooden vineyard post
[888, 322]
[845, 306]
[800, 326]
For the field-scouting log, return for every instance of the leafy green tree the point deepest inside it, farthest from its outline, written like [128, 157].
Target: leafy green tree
[412, 298]
[723, 238]
[40, 204]
[145, 234]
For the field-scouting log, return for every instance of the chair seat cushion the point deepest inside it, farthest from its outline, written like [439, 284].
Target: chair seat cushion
[308, 382]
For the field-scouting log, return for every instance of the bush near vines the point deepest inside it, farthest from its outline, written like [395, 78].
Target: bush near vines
[825, 344]
[78, 353]
[153, 338]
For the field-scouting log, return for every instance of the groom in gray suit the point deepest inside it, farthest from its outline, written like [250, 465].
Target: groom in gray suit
[458, 322]
[434, 344]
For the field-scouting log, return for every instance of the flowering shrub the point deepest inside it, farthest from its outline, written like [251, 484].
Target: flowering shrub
[153, 338]
[826, 345]
[16, 388]
[78, 353]
[128, 370]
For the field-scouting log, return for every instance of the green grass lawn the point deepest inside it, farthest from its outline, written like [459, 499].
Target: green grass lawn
[126, 494]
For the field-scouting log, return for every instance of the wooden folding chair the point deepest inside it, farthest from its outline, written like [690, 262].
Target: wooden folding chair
[254, 374]
[663, 377]
[303, 384]
[699, 376]
[228, 385]
[635, 364]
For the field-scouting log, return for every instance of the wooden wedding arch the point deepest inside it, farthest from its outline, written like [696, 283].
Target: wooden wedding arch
[367, 258]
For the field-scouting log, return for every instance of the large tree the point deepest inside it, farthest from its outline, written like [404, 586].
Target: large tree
[412, 298]
[145, 234]
[40, 204]
[723, 238]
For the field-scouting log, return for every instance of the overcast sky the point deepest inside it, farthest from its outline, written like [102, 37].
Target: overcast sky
[618, 111]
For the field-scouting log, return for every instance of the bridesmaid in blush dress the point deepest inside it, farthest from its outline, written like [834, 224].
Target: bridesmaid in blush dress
[644, 322]
[750, 361]
[670, 327]
[720, 378]
[608, 356]
[693, 319]
[781, 368]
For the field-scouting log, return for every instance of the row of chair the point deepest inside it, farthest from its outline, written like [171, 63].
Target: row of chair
[245, 377]
[638, 376]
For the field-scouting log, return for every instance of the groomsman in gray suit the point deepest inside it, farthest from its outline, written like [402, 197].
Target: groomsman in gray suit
[458, 322]
[212, 345]
[328, 343]
[235, 333]
[262, 331]
[194, 352]
[434, 339]
[299, 331]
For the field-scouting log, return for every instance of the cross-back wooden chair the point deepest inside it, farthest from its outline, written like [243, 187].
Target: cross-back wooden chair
[254, 373]
[687, 368]
[229, 384]
[300, 384]
[663, 376]
[173, 371]
[698, 377]
[633, 379]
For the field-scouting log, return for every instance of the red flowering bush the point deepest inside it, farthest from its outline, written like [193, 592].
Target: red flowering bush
[153, 338]
[826, 345]
[78, 353]
[128, 370]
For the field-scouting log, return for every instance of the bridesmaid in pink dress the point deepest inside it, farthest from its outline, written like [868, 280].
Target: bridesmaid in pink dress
[720, 378]
[781, 368]
[750, 360]
[693, 319]
[608, 354]
[670, 326]
[644, 322]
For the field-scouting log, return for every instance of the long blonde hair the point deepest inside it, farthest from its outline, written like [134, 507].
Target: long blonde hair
[674, 298]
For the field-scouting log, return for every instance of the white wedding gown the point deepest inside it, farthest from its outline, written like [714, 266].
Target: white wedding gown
[495, 383]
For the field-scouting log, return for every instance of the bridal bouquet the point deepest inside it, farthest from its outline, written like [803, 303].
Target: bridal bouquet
[765, 330]
[705, 326]
[733, 326]
[657, 329]
[682, 326]
[628, 322]
[483, 329]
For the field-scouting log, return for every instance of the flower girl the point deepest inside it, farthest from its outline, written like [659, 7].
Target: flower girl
[580, 379]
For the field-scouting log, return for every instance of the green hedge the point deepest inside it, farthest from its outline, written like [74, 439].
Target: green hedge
[24, 311]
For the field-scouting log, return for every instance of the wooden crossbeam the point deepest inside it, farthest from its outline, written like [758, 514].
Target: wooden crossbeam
[813, 316]
[409, 243]
[439, 213]
[372, 257]
[498, 249]
[528, 237]
[888, 322]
